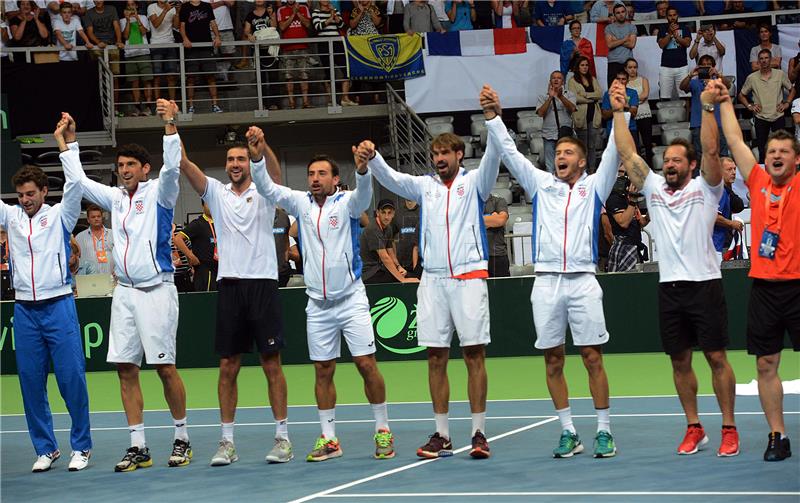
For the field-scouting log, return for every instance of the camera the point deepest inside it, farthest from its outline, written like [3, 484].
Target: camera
[703, 72]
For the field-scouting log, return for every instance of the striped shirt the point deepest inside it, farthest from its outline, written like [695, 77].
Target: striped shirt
[318, 19]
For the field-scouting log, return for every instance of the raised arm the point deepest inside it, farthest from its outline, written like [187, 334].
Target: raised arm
[742, 154]
[362, 196]
[402, 184]
[265, 185]
[634, 165]
[169, 176]
[609, 162]
[71, 199]
[709, 133]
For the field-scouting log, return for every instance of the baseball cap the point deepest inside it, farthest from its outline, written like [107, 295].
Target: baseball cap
[385, 203]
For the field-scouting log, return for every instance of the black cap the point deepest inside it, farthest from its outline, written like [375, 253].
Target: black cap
[385, 203]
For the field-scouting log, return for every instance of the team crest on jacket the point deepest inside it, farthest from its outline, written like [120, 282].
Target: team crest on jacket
[139, 205]
[43, 222]
[582, 191]
[333, 221]
[460, 190]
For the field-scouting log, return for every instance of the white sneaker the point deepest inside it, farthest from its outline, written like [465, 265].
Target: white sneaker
[45, 461]
[79, 460]
[225, 455]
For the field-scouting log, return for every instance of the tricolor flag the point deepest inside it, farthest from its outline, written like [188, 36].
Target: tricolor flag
[477, 42]
[552, 38]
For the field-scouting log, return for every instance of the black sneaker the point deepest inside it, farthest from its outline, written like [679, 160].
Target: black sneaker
[480, 446]
[134, 458]
[181, 453]
[437, 447]
[778, 448]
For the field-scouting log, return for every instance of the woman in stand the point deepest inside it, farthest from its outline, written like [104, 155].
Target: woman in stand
[644, 117]
[586, 118]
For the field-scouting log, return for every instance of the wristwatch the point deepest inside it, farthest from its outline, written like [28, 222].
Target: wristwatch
[708, 107]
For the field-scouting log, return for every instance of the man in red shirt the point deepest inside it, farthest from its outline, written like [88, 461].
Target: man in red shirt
[774, 306]
[293, 22]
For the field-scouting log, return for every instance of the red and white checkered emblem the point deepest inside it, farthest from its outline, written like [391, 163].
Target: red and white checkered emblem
[582, 191]
[43, 222]
[139, 205]
[334, 221]
[460, 191]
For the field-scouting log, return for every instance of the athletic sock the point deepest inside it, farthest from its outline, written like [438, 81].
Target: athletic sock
[381, 414]
[282, 428]
[137, 435]
[327, 418]
[603, 419]
[478, 422]
[442, 426]
[227, 431]
[181, 433]
[565, 416]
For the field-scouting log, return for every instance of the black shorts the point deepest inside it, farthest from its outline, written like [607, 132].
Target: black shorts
[200, 59]
[248, 311]
[773, 310]
[692, 313]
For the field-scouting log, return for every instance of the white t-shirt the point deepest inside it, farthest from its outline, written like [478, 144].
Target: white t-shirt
[222, 15]
[682, 223]
[70, 34]
[162, 34]
[796, 110]
[133, 50]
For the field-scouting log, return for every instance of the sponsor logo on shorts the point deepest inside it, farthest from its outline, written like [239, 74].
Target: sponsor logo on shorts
[395, 326]
[271, 342]
[161, 356]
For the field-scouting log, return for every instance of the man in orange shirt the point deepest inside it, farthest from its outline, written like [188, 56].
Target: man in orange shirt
[774, 306]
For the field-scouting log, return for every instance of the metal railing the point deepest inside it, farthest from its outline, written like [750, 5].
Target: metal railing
[409, 136]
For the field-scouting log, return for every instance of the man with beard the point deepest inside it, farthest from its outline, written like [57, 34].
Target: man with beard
[774, 306]
[691, 301]
[248, 302]
[566, 224]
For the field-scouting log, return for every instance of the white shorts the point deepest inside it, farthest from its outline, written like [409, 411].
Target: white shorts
[577, 299]
[349, 316]
[144, 321]
[446, 304]
[669, 82]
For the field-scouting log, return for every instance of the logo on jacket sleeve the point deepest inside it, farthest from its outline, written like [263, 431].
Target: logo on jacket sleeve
[334, 222]
[139, 206]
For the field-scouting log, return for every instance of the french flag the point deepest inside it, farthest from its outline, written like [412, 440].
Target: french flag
[550, 38]
[477, 42]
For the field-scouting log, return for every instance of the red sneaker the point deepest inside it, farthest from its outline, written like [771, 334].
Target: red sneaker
[695, 439]
[730, 443]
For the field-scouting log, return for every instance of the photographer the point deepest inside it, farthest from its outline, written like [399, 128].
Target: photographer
[627, 220]
[707, 43]
[695, 83]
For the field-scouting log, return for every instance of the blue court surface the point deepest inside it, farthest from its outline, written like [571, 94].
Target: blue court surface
[522, 434]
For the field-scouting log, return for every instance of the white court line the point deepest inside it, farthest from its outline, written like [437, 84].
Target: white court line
[357, 404]
[561, 493]
[415, 464]
[410, 420]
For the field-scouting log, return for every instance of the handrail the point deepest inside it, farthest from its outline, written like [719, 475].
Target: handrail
[698, 20]
[409, 136]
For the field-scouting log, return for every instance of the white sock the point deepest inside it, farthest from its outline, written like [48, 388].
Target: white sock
[327, 418]
[181, 432]
[565, 416]
[381, 414]
[137, 435]
[479, 422]
[442, 426]
[282, 428]
[227, 431]
[604, 419]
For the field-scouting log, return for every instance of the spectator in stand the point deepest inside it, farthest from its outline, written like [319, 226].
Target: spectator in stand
[138, 68]
[644, 116]
[794, 70]
[661, 13]
[243, 9]
[644, 10]
[261, 23]
[686, 9]
[729, 204]
[395, 10]
[694, 84]
[767, 85]
[407, 220]
[586, 118]
[602, 11]
[198, 242]
[461, 13]
[765, 36]
[280, 230]
[377, 251]
[365, 18]
[294, 20]
[29, 28]
[419, 17]
[484, 16]
[495, 216]
[707, 43]
[328, 22]
[576, 46]
[183, 271]
[796, 117]
[67, 29]
[163, 17]
[711, 7]
[197, 25]
[673, 40]
[621, 39]
[524, 14]
[631, 105]
[627, 221]
[96, 242]
[102, 27]
[505, 14]
[224, 54]
[550, 13]
[441, 13]
[556, 109]
[737, 7]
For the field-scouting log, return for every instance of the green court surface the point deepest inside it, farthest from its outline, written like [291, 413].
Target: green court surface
[637, 374]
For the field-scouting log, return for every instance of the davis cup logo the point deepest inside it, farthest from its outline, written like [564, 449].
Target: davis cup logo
[395, 327]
